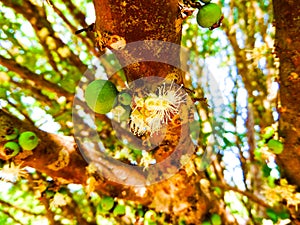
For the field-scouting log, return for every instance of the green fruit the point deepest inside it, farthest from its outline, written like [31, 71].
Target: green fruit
[205, 1]
[216, 219]
[276, 146]
[119, 210]
[28, 140]
[124, 98]
[268, 132]
[107, 203]
[11, 134]
[100, 96]
[11, 149]
[208, 15]
[272, 215]
[150, 216]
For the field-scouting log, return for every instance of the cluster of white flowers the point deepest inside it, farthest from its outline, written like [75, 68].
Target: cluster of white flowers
[150, 113]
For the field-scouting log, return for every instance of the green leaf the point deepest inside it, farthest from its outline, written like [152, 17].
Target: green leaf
[266, 170]
[227, 142]
[272, 215]
[283, 215]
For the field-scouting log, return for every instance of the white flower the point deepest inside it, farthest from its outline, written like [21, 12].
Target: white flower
[154, 124]
[175, 95]
[160, 108]
[138, 125]
[167, 102]
[150, 113]
[147, 159]
[58, 200]
[12, 173]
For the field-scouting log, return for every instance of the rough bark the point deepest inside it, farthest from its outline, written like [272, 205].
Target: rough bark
[287, 44]
[128, 21]
[139, 21]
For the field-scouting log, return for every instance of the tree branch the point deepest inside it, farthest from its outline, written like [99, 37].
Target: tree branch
[9, 205]
[38, 80]
[72, 167]
[10, 215]
[86, 40]
[248, 194]
[38, 19]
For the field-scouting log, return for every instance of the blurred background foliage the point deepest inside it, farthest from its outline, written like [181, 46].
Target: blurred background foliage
[42, 60]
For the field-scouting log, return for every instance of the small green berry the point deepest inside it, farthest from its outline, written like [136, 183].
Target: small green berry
[119, 210]
[216, 219]
[11, 133]
[208, 15]
[28, 140]
[275, 145]
[150, 215]
[124, 98]
[107, 203]
[268, 132]
[100, 96]
[11, 149]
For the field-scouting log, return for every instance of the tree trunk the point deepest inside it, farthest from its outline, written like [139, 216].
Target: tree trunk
[127, 22]
[287, 44]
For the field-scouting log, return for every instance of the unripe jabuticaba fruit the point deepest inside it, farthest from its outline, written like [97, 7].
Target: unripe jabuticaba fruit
[28, 140]
[276, 146]
[11, 133]
[150, 217]
[124, 98]
[107, 203]
[268, 132]
[100, 96]
[11, 149]
[208, 15]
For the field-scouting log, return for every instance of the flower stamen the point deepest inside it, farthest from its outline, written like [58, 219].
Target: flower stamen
[151, 112]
